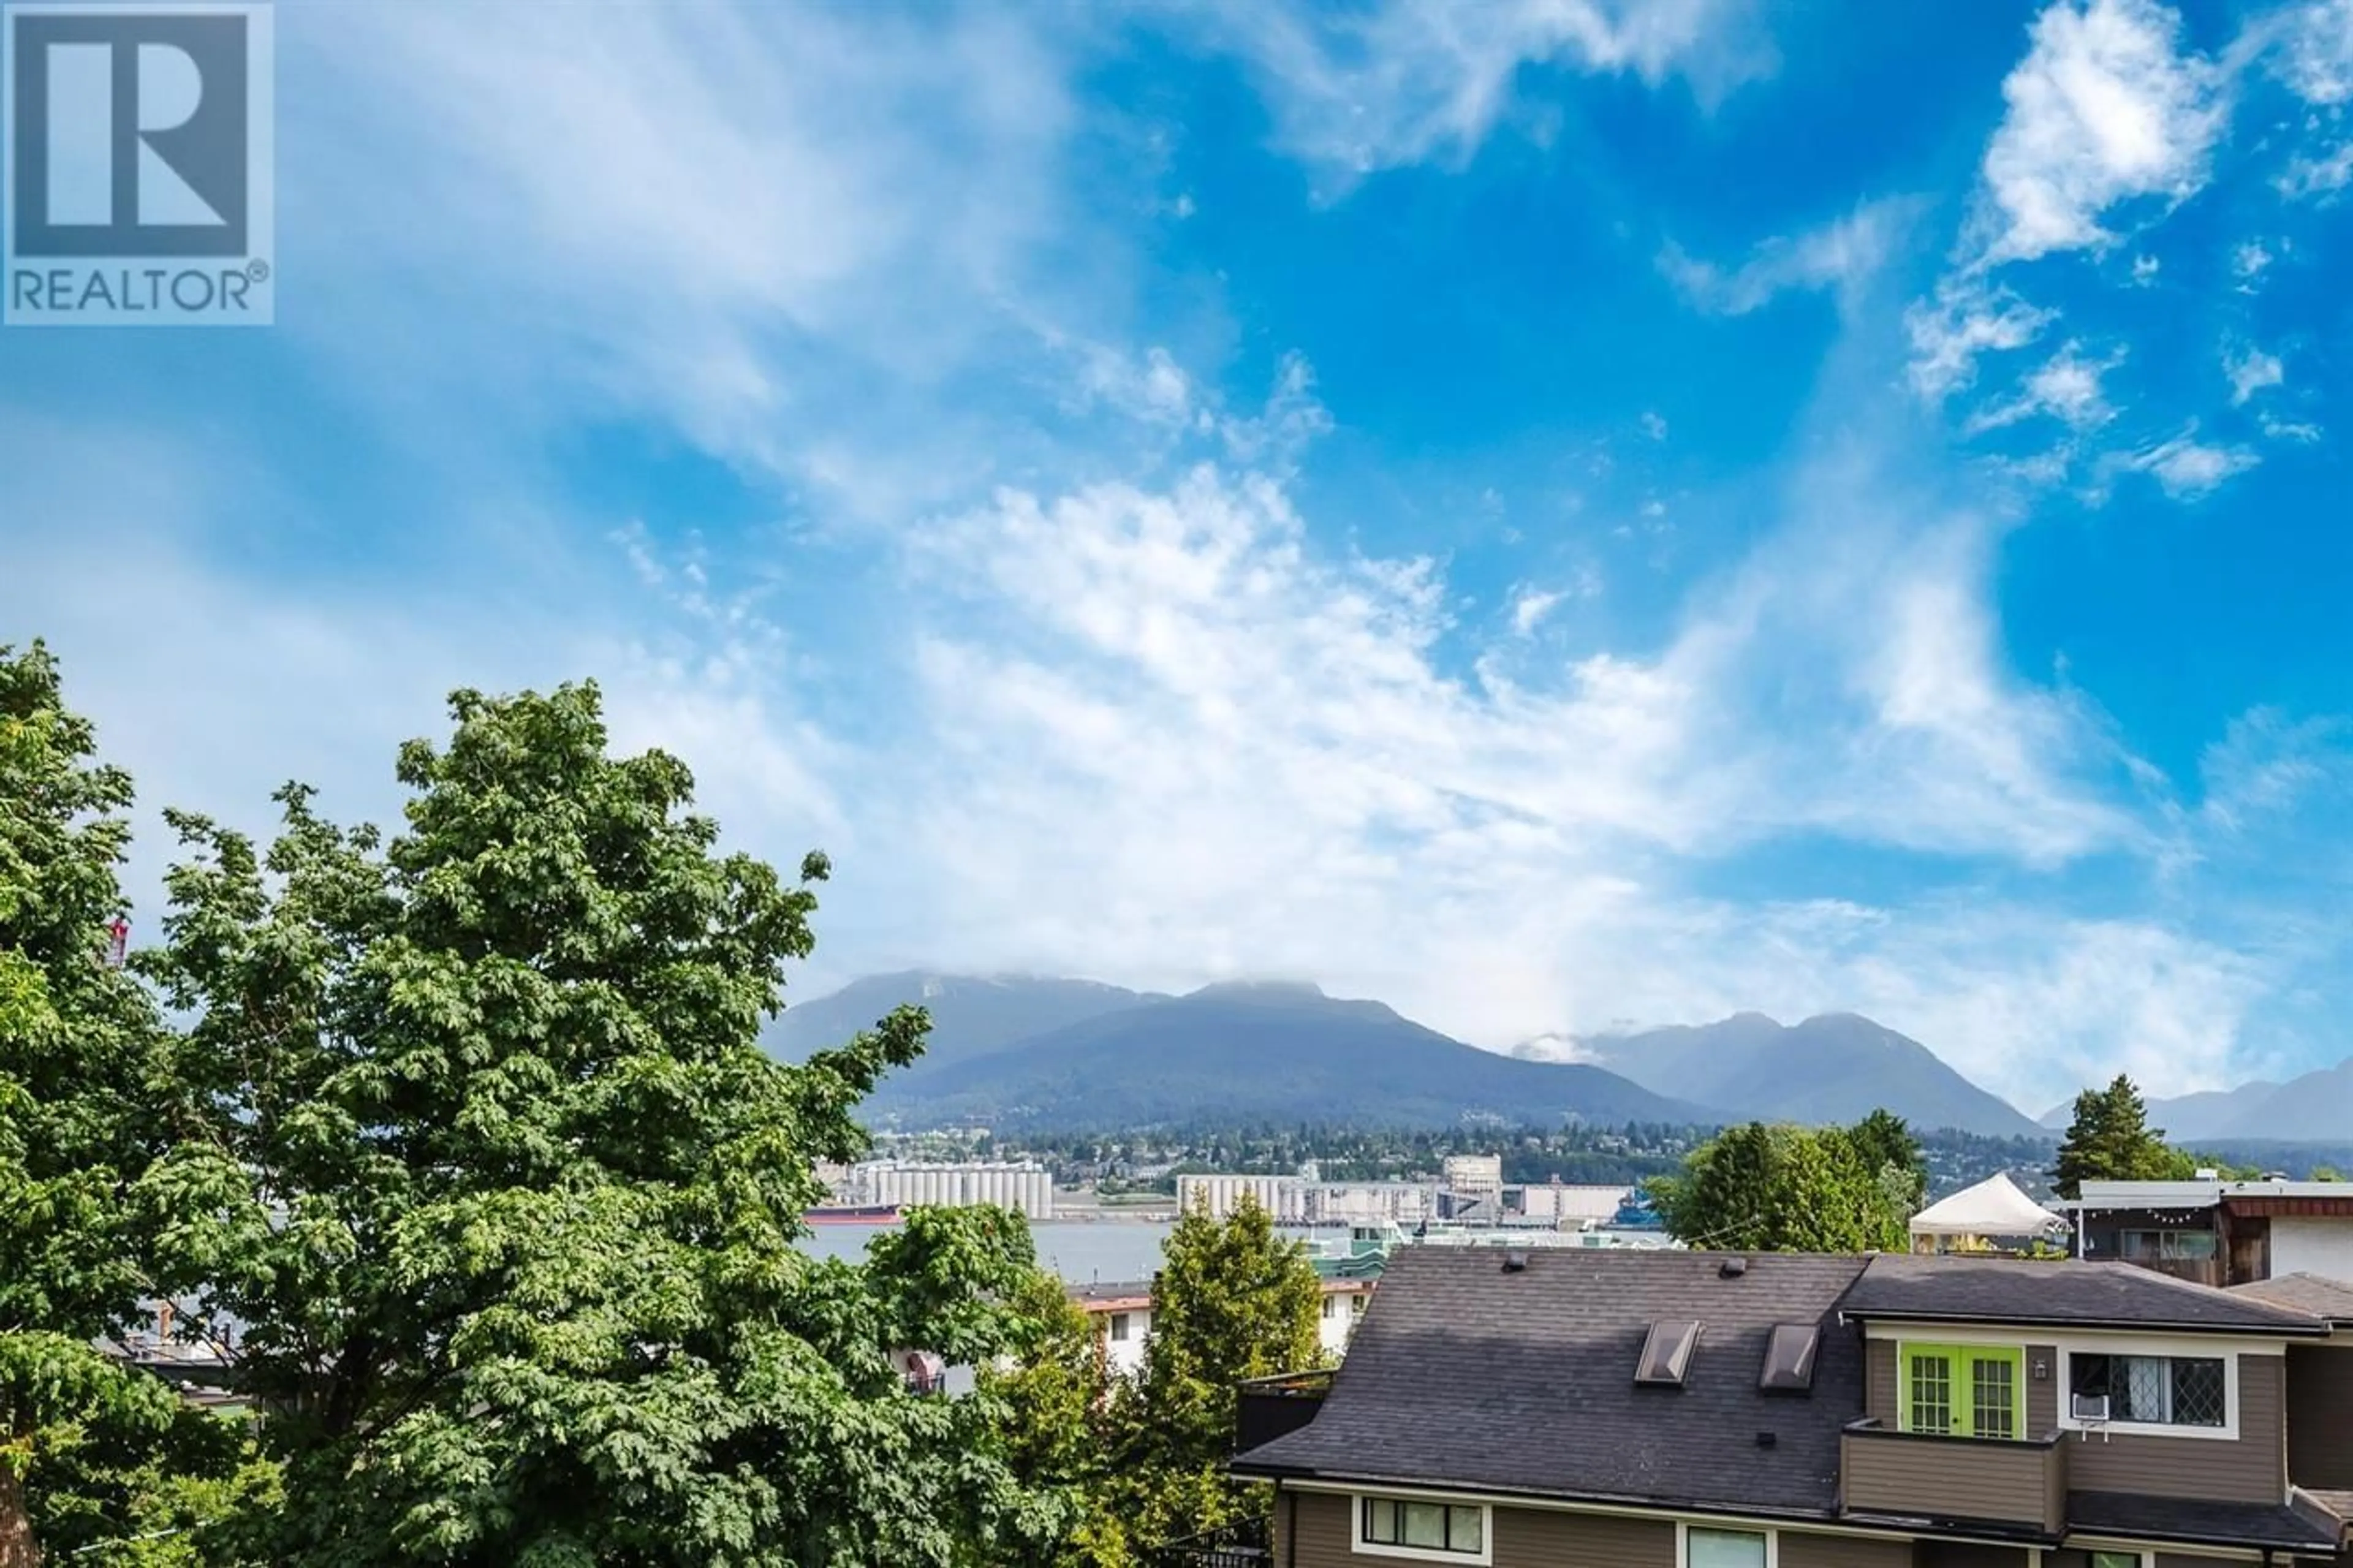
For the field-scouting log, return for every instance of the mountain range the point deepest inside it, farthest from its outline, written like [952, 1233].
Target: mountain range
[1838, 1067]
[2316, 1107]
[1045, 1052]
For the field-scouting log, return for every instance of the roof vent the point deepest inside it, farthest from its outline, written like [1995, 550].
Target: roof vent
[1666, 1353]
[1789, 1359]
[1766, 1439]
[1515, 1262]
[1734, 1267]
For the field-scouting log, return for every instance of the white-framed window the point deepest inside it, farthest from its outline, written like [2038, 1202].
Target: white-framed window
[2182, 1394]
[1709, 1546]
[1119, 1327]
[1331, 1308]
[1425, 1530]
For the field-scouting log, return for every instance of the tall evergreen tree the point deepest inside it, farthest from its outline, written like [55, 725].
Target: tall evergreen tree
[2110, 1139]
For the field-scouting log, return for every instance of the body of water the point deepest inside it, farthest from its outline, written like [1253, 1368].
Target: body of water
[1083, 1253]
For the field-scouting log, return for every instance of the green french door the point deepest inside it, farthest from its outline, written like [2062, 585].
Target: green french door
[1960, 1391]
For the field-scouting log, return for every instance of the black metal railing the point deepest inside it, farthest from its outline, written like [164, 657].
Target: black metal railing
[1271, 1407]
[1245, 1544]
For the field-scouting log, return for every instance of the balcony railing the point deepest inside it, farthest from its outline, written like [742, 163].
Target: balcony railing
[2022, 1484]
[2197, 1270]
[1271, 1407]
[1242, 1544]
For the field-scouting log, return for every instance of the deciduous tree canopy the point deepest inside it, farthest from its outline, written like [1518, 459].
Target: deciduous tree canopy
[1761, 1188]
[91, 1454]
[466, 1142]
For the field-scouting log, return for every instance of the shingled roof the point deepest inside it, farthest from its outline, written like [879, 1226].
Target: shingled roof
[2313, 1293]
[2065, 1294]
[1469, 1373]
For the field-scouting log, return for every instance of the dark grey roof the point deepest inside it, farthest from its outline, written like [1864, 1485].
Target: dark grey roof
[2330, 1299]
[1464, 1374]
[2138, 1517]
[2060, 1294]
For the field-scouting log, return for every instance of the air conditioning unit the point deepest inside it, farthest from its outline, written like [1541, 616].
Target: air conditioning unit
[2091, 1406]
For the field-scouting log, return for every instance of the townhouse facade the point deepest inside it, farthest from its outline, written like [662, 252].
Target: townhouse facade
[1627, 1409]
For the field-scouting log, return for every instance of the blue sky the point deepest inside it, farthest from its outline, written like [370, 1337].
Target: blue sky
[1550, 513]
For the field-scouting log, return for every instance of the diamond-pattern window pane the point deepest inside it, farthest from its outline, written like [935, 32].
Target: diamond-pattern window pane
[2143, 1391]
[2197, 1393]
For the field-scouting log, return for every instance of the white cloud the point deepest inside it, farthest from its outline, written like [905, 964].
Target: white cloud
[1403, 82]
[2066, 387]
[1968, 318]
[785, 233]
[1841, 255]
[2317, 51]
[1531, 606]
[1655, 426]
[2280, 429]
[2266, 763]
[2321, 176]
[2145, 269]
[2251, 372]
[2189, 469]
[2103, 109]
[1120, 675]
[1156, 391]
[2248, 262]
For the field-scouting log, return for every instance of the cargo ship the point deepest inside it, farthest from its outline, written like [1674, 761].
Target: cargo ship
[855, 1214]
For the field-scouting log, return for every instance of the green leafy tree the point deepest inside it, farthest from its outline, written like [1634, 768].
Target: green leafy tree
[1232, 1301]
[2110, 1139]
[1759, 1188]
[1141, 1460]
[92, 1454]
[485, 1157]
[1054, 1400]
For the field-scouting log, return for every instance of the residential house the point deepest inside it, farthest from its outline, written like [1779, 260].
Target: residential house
[2218, 1232]
[1664, 1409]
[2319, 1385]
[1121, 1314]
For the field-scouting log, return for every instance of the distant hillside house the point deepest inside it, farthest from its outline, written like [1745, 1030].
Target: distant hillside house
[1661, 1409]
[2214, 1232]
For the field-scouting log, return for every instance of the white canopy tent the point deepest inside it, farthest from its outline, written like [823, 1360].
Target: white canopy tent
[1994, 1207]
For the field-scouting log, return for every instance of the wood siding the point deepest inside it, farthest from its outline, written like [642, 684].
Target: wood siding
[1800, 1550]
[1554, 1538]
[1954, 1479]
[2320, 1417]
[2252, 1467]
[1964, 1554]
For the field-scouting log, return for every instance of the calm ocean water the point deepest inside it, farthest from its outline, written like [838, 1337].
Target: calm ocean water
[1083, 1253]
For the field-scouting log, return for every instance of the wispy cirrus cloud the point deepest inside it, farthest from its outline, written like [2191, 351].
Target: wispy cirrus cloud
[1360, 89]
[1840, 256]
